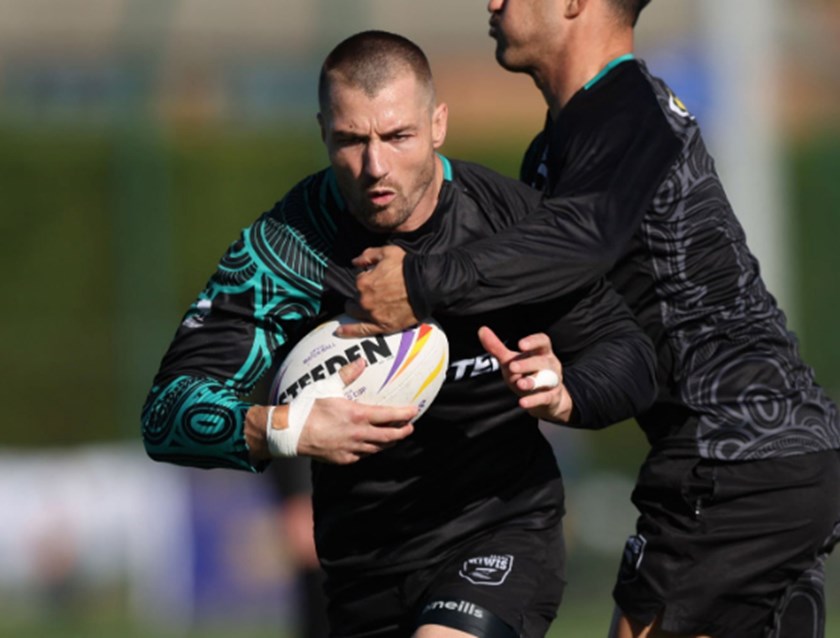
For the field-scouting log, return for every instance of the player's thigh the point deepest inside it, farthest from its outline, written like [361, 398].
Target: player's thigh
[505, 584]
[801, 612]
[719, 543]
[439, 631]
[624, 627]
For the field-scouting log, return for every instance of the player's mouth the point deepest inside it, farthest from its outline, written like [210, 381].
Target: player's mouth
[494, 27]
[381, 196]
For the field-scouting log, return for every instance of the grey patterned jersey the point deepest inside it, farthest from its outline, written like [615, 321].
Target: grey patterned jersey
[734, 361]
[631, 190]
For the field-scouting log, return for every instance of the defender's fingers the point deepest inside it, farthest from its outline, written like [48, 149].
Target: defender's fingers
[369, 257]
[358, 329]
[362, 327]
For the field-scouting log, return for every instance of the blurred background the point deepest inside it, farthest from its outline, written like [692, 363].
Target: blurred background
[138, 136]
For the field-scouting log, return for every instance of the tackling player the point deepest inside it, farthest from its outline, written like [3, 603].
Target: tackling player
[451, 528]
[738, 499]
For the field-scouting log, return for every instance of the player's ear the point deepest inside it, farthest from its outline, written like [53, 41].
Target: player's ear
[573, 8]
[440, 119]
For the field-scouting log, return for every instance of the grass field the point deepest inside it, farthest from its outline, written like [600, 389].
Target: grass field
[574, 622]
[585, 614]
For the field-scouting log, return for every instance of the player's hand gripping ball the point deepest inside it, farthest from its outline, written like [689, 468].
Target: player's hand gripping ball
[403, 368]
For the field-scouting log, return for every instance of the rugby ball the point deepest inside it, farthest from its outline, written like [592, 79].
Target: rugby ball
[403, 368]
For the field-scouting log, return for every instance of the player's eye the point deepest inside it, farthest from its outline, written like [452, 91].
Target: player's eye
[346, 141]
[402, 136]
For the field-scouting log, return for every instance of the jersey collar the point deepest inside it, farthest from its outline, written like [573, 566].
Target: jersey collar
[447, 167]
[610, 66]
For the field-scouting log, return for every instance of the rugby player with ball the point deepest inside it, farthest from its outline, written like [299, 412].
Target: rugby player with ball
[445, 525]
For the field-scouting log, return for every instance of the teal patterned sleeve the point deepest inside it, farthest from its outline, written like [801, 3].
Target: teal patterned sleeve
[269, 281]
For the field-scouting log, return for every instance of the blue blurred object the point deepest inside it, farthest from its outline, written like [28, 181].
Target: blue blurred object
[686, 69]
[238, 563]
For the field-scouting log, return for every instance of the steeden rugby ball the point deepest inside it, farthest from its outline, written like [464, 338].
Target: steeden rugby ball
[403, 368]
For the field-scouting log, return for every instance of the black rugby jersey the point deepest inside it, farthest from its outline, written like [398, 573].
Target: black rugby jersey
[476, 459]
[631, 191]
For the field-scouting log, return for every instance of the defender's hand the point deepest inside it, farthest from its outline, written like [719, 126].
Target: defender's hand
[382, 306]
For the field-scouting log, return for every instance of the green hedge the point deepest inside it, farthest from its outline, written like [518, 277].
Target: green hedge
[815, 217]
[65, 344]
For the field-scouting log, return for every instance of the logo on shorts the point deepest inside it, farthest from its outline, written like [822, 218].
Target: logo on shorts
[487, 570]
[458, 606]
[634, 552]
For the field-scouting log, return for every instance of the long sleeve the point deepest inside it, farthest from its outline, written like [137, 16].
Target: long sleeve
[604, 159]
[615, 381]
[609, 363]
[266, 283]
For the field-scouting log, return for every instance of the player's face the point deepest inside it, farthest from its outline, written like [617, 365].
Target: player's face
[382, 149]
[523, 30]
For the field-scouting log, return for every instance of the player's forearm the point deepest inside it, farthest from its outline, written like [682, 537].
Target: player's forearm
[573, 237]
[197, 422]
[556, 251]
[616, 380]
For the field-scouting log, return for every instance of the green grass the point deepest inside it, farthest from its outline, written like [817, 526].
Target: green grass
[576, 623]
[580, 617]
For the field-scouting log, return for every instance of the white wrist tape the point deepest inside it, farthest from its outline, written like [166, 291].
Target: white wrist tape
[285, 442]
[545, 379]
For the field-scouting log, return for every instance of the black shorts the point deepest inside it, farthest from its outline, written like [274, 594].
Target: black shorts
[718, 544]
[506, 583]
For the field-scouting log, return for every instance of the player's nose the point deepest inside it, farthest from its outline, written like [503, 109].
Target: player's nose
[376, 165]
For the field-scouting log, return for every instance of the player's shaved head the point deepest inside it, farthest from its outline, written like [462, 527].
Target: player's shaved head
[629, 10]
[369, 61]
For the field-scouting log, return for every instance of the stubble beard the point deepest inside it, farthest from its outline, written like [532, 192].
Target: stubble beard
[506, 59]
[386, 219]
